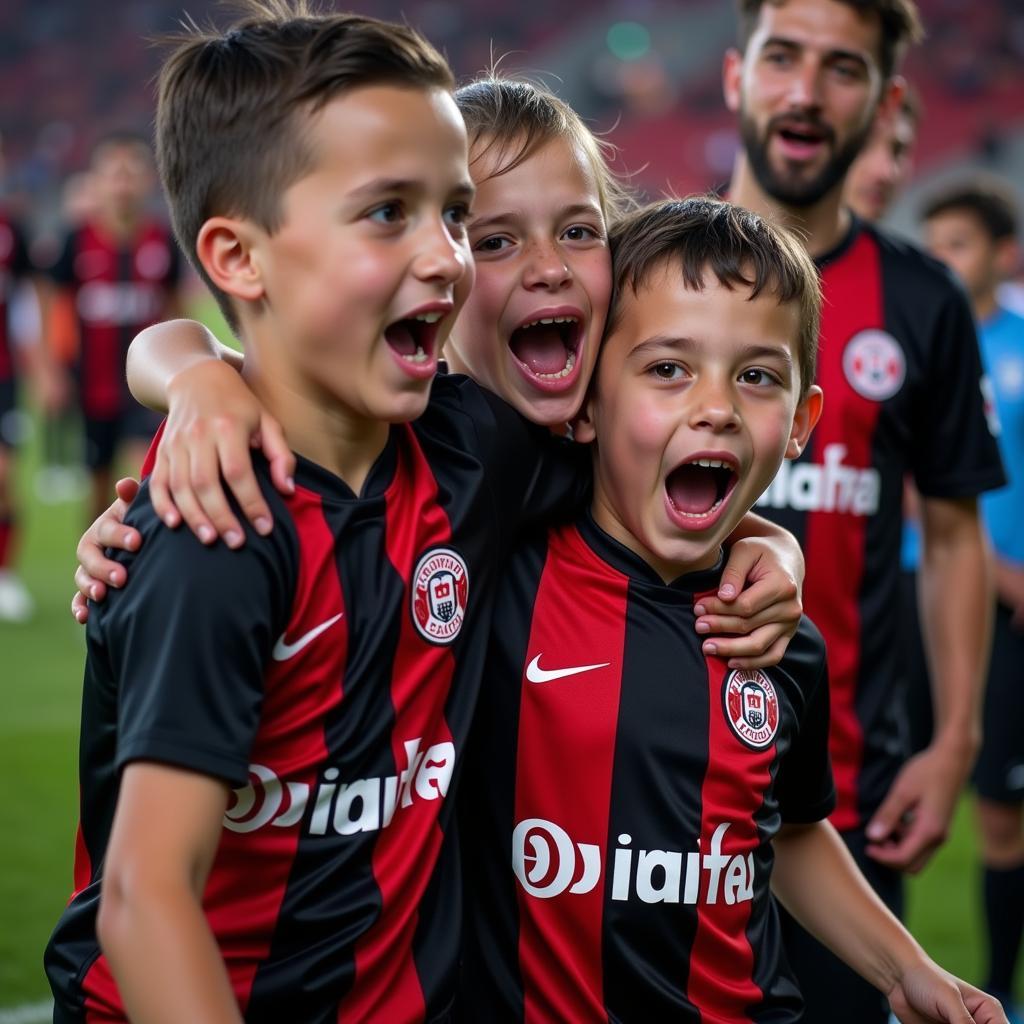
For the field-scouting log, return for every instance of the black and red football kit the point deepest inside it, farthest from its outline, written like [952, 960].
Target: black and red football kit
[898, 362]
[15, 266]
[330, 672]
[118, 288]
[621, 796]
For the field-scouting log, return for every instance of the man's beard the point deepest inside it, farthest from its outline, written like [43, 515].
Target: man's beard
[792, 190]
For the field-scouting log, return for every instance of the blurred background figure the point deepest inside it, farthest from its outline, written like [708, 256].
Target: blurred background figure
[973, 226]
[886, 162]
[22, 353]
[121, 270]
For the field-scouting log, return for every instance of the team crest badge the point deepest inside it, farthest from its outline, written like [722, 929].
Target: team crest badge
[439, 594]
[752, 707]
[874, 365]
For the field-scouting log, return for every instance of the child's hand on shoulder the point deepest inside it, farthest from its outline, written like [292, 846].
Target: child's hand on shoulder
[95, 571]
[213, 422]
[758, 607]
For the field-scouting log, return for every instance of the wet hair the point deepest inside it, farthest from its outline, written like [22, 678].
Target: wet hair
[702, 235]
[512, 118]
[899, 19]
[233, 106]
[988, 199]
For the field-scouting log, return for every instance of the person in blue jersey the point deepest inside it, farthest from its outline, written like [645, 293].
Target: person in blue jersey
[973, 227]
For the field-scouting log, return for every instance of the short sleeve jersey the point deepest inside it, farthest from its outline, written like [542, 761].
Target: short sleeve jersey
[622, 793]
[904, 394]
[118, 289]
[1002, 346]
[328, 673]
[15, 266]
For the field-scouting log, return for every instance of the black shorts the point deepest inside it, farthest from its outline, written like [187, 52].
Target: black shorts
[8, 412]
[104, 436]
[999, 773]
[834, 993]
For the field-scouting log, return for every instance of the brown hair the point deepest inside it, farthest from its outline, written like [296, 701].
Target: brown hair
[987, 198]
[740, 248]
[513, 118]
[900, 23]
[233, 106]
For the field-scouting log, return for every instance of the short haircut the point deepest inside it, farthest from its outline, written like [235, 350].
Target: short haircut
[989, 199]
[899, 19]
[233, 106]
[702, 235]
[513, 118]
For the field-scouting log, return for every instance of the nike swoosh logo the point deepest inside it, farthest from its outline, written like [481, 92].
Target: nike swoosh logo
[536, 674]
[283, 650]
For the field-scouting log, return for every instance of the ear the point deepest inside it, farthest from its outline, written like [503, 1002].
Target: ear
[225, 248]
[1008, 258]
[806, 415]
[584, 424]
[732, 78]
[891, 99]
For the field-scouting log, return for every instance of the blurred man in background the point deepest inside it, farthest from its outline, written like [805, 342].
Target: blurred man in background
[885, 163]
[121, 270]
[21, 348]
[973, 227]
[900, 367]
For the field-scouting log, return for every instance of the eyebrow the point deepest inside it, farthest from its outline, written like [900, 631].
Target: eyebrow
[574, 210]
[382, 186]
[686, 344]
[834, 54]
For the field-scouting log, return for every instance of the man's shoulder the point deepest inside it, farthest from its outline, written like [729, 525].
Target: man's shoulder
[914, 268]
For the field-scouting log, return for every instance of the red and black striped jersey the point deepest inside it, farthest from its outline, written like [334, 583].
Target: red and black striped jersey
[621, 796]
[118, 289]
[904, 394]
[15, 266]
[330, 672]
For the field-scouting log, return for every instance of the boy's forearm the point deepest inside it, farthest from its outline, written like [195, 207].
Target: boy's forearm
[160, 352]
[818, 882]
[165, 960]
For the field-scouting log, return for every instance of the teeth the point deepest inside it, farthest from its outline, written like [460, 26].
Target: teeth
[428, 318]
[698, 515]
[564, 372]
[710, 464]
[551, 320]
[419, 356]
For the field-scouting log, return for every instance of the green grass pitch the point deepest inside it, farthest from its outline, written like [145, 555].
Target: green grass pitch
[40, 686]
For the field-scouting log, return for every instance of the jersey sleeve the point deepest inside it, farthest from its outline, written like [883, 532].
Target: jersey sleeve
[804, 785]
[955, 453]
[187, 643]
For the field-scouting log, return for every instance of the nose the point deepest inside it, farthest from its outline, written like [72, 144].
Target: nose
[546, 268]
[805, 84]
[712, 407]
[442, 258]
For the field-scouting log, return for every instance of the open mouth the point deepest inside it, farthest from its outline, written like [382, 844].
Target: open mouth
[802, 136]
[699, 488]
[548, 347]
[414, 339]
